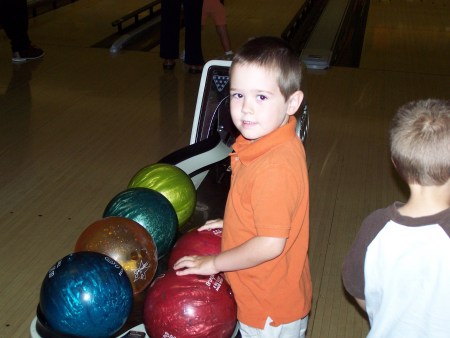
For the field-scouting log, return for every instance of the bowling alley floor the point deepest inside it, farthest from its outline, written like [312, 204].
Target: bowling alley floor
[78, 124]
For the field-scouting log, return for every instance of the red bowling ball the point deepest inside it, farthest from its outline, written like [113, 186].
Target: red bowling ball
[201, 243]
[189, 306]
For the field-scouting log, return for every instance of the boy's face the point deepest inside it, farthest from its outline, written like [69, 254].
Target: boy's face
[256, 103]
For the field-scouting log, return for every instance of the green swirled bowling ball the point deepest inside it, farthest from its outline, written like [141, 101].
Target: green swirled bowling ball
[173, 183]
[150, 209]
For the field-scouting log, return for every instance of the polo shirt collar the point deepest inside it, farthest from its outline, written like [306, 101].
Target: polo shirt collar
[248, 150]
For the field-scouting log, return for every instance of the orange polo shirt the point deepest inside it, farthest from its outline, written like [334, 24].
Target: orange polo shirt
[269, 196]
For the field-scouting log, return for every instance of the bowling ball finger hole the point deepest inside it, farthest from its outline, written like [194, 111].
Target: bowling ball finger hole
[134, 255]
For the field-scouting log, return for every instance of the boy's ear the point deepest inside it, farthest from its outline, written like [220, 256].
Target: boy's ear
[294, 102]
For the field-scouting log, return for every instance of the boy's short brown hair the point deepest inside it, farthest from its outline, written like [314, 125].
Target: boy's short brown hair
[276, 55]
[420, 142]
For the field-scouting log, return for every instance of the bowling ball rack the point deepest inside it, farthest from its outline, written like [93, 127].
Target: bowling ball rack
[210, 173]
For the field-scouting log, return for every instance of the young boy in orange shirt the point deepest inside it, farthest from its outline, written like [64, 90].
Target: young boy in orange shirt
[266, 222]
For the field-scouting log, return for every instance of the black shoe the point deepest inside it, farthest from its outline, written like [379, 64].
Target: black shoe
[31, 53]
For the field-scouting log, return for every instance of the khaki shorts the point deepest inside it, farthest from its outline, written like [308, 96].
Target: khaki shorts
[295, 329]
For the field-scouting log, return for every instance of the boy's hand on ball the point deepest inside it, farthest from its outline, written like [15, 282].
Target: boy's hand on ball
[199, 265]
[212, 224]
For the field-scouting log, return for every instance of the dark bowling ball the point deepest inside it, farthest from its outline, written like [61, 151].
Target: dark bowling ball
[189, 306]
[150, 209]
[86, 294]
[128, 243]
[201, 243]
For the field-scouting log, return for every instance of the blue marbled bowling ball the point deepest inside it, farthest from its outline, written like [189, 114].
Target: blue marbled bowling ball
[150, 209]
[86, 294]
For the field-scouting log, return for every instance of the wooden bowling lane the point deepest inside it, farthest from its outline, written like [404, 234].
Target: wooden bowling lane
[76, 126]
[80, 24]
[409, 36]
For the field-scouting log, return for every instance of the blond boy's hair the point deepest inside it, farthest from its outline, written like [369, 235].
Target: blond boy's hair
[275, 55]
[420, 142]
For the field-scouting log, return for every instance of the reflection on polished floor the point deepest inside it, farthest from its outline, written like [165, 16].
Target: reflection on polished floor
[76, 125]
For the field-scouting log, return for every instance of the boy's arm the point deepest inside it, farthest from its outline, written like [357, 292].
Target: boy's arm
[353, 267]
[249, 254]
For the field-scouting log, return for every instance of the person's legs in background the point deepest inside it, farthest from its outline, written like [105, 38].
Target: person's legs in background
[216, 10]
[219, 16]
[222, 31]
[170, 32]
[14, 20]
[193, 38]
